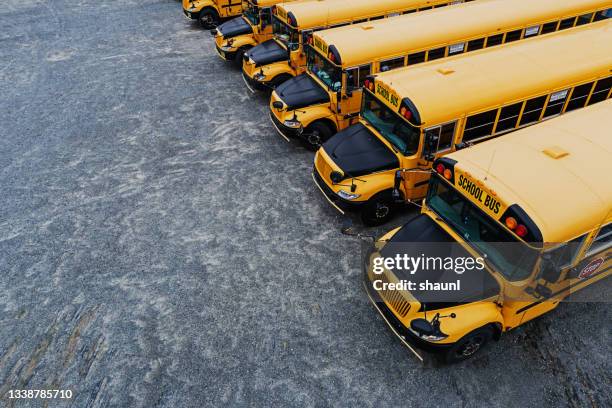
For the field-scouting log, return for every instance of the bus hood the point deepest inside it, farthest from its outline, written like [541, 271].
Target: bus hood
[358, 152]
[301, 91]
[234, 27]
[423, 238]
[267, 52]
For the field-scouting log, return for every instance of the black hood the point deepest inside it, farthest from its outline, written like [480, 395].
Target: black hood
[267, 52]
[301, 91]
[234, 27]
[358, 152]
[422, 237]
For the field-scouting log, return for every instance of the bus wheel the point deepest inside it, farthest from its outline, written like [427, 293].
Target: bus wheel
[377, 211]
[317, 134]
[208, 18]
[469, 345]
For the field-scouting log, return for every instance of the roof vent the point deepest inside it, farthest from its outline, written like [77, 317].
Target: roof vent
[446, 71]
[367, 27]
[555, 152]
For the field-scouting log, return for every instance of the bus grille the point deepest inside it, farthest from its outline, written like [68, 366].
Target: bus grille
[394, 298]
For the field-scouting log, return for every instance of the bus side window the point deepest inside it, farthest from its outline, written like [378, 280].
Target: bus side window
[513, 36]
[565, 255]
[567, 23]
[476, 44]
[364, 73]
[456, 49]
[556, 103]
[602, 241]
[409, 11]
[352, 78]
[601, 91]
[533, 110]
[532, 31]
[390, 64]
[495, 40]
[603, 14]
[266, 16]
[508, 117]
[550, 27]
[479, 125]
[436, 54]
[306, 36]
[416, 58]
[584, 19]
[438, 139]
[579, 96]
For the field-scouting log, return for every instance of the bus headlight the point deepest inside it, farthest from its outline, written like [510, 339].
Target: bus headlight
[259, 77]
[293, 124]
[348, 196]
[429, 337]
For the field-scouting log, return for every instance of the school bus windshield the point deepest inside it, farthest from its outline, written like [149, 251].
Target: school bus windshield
[250, 12]
[390, 125]
[324, 70]
[286, 34]
[508, 255]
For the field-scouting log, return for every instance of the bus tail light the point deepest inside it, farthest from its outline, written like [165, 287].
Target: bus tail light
[369, 84]
[445, 168]
[521, 231]
[519, 222]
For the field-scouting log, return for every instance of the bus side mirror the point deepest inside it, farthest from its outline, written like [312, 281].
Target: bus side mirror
[549, 271]
[430, 145]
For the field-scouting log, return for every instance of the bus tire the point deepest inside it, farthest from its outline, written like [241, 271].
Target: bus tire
[317, 134]
[378, 210]
[469, 345]
[208, 18]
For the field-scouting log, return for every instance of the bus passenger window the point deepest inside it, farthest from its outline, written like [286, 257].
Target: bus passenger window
[364, 73]
[495, 40]
[479, 125]
[532, 31]
[377, 18]
[602, 241]
[446, 136]
[533, 110]
[416, 58]
[601, 91]
[555, 103]
[388, 65]
[550, 27]
[456, 49]
[436, 54]
[508, 117]
[602, 15]
[409, 12]
[352, 78]
[513, 36]
[579, 97]
[425, 8]
[584, 19]
[567, 23]
[476, 44]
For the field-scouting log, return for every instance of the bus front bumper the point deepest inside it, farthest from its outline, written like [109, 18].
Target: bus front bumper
[286, 132]
[226, 55]
[340, 204]
[255, 85]
[191, 15]
[415, 344]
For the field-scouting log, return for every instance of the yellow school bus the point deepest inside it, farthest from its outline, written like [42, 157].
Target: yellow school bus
[273, 62]
[316, 105]
[210, 12]
[532, 209]
[412, 116]
[233, 38]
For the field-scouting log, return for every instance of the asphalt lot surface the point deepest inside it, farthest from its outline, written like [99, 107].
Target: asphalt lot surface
[161, 246]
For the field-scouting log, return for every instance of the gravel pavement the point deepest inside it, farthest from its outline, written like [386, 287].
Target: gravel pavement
[160, 245]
